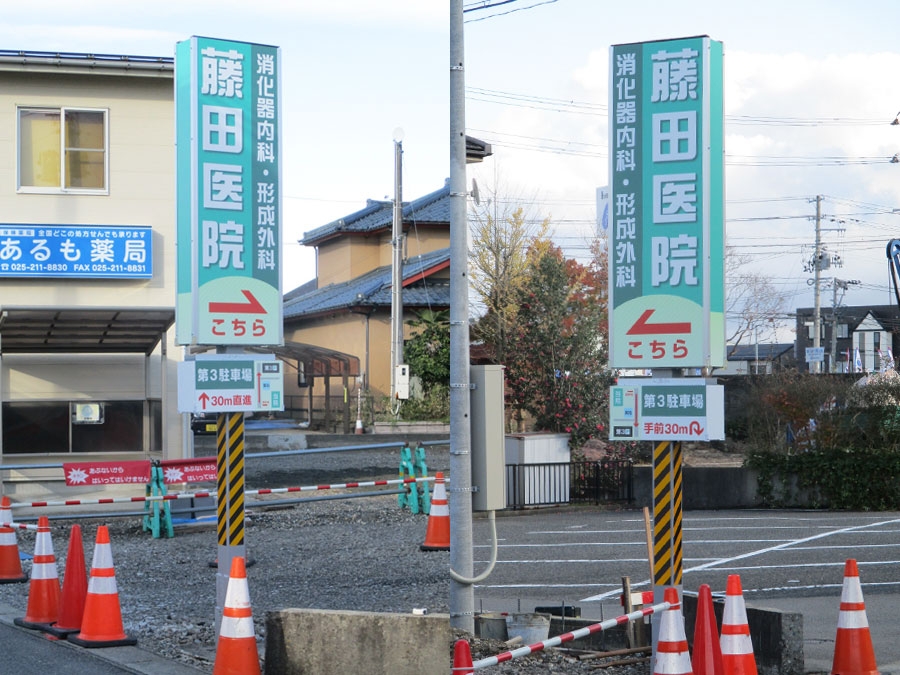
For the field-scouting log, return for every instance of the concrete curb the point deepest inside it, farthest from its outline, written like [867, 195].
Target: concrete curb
[130, 659]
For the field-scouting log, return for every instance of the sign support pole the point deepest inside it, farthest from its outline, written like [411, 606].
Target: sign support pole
[667, 530]
[230, 511]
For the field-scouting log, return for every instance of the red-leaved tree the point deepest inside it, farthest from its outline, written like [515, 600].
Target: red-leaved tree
[557, 359]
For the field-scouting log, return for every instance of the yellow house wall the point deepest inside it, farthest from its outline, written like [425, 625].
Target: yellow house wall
[347, 334]
[350, 257]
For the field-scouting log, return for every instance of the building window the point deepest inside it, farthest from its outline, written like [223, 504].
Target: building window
[811, 330]
[48, 427]
[62, 150]
[843, 330]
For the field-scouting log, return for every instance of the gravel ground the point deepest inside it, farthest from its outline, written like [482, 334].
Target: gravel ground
[353, 554]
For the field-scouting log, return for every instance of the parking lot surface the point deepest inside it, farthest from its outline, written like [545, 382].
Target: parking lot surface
[792, 560]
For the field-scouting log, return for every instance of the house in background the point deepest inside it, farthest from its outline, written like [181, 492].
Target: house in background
[757, 359]
[347, 307]
[87, 258]
[870, 329]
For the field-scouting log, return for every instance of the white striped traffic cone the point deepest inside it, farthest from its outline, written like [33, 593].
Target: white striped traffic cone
[101, 624]
[672, 655]
[437, 534]
[236, 652]
[737, 648]
[43, 591]
[10, 561]
[853, 650]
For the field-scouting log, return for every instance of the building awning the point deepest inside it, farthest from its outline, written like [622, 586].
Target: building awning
[317, 361]
[29, 330]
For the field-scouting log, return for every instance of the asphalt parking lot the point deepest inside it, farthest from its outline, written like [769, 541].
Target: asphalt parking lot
[790, 560]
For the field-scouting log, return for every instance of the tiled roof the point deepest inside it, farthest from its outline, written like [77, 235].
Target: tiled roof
[373, 289]
[767, 352]
[853, 315]
[379, 215]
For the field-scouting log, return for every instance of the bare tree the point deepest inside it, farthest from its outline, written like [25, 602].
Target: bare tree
[752, 302]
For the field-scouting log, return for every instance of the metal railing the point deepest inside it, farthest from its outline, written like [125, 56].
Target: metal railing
[597, 482]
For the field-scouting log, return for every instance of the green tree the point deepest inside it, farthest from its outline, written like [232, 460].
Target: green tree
[428, 351]
[502, 228]
[428, 354]
[557, 368]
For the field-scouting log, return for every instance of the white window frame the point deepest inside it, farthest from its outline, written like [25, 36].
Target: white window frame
[61, 189]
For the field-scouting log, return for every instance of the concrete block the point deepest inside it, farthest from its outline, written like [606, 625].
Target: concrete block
[325, 642]
[293, 441]
[777, 635]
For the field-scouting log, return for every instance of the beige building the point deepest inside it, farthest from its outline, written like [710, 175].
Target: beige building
[87, 259]
[347, 308]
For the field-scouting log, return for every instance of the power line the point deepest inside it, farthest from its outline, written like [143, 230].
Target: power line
[497, 3]
[500, 97]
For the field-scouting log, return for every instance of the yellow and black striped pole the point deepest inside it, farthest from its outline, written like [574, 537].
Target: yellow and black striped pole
[230, 493]
[667, 496]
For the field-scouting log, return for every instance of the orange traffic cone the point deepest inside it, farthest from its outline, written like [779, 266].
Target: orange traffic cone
[672, 656]
[737, 648]
[437, 536]
[74, 589]
[101, 624]
[707, 656]
[853, 651]
[43, 592]
[10, 562]
[462, 658]
[236, 652]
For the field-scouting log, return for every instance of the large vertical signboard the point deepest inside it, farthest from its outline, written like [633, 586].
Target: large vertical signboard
[666, 230]
[228, 135]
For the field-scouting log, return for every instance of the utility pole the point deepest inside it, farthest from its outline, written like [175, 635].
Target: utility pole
[462, 596]
[843, 285]
[397, 267]
[817, 263]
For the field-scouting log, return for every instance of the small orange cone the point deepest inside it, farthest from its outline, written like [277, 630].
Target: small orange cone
[74, 589]
[462, 658]
[707, 656]
[672, 656]
[853, 651]
[43, 592]
[737, 648]
[437, 536]
[101, 624]
[10, 562]
[236, 652]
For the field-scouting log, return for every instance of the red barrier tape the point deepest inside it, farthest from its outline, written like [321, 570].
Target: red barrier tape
[568, 637]
[197, 495]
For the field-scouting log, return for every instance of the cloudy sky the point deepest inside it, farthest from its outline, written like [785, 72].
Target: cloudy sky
[810, 91]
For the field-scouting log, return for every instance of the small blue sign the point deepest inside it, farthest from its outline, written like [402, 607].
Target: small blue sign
[84, 251]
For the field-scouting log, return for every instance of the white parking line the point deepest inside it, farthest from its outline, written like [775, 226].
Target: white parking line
[725, 561]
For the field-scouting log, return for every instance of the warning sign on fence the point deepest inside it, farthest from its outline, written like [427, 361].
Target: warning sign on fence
[189, 470]
[106, 473]
[198, 470]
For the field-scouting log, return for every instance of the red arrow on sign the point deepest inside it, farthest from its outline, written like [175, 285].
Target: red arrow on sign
[204, 397]
[643, 326]
[252, 306]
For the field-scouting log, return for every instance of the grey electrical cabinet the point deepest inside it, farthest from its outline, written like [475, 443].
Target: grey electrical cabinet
[488, 438]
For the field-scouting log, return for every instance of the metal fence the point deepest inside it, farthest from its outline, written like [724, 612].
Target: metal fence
[566, 482]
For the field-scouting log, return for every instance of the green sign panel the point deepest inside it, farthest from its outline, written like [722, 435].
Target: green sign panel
[214, 383]
[228, 140]
[666, 231]
[224, 375]
[653, 410]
